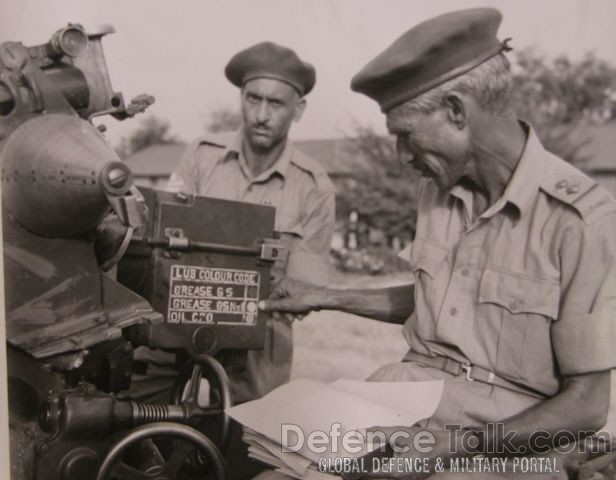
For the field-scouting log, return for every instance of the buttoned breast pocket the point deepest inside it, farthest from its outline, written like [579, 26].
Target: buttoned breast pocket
[519, 310]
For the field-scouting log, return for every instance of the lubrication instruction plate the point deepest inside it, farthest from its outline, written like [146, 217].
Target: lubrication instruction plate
[205, 295]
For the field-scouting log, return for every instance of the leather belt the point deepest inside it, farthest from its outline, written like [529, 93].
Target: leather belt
[471, 372]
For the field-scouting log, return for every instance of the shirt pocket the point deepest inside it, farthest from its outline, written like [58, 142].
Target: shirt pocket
[518, 293]
[519, 309]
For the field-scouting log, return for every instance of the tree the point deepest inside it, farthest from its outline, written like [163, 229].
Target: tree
[152, 131]
[223, 120]
[382, 191]
[558, 95]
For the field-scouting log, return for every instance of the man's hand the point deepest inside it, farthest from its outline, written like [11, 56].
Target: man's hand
[294, 296]
[390, 304]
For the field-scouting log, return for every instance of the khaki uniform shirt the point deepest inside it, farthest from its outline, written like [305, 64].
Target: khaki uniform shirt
[528, 289]
[296, 185]
[303, 195]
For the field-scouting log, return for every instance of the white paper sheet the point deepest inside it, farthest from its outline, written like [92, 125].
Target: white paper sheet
[313, 406]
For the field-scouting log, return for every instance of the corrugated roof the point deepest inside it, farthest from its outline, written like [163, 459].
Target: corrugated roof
[156, 160]
[334, 154]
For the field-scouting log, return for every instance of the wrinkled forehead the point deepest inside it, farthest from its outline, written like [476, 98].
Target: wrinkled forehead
[270, 88]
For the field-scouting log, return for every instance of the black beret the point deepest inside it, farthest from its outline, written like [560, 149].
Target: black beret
[268, 60]
[430, 54]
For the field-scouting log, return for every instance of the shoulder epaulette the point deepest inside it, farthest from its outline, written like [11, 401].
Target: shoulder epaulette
[567, 184]
[220, 140]
[314, 168]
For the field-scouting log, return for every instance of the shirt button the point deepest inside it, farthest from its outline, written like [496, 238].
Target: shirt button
[453, 312]
[516, 304]
[561, 184]
[573, 189]
[464, 272]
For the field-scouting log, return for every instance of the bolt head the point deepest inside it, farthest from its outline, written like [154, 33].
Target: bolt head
[117, 177]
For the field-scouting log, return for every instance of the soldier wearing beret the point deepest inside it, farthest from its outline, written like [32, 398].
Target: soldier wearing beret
[259, 165]
[514, 260]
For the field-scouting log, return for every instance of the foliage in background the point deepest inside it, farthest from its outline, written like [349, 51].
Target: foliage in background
[558, 95]
[222, 120]
[561, 91]
[152, 131]
[382, 192]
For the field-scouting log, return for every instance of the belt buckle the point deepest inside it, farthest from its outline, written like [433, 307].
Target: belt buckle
[468, 368]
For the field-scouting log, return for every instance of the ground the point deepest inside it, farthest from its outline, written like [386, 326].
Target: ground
[330, 345]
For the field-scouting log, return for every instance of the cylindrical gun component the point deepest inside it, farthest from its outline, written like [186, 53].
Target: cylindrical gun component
[186, 244]
[79, 415]
[71, 41]
[51, 175]
[150, 413]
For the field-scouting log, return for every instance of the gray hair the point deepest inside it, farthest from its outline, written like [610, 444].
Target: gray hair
[489, 84]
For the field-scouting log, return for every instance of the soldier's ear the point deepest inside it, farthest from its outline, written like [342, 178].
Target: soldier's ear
[300, 106]
[457, 113]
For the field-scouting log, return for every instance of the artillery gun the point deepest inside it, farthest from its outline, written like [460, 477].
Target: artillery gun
[95, 267]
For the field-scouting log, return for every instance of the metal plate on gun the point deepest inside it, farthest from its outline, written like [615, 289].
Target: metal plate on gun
[207, 295]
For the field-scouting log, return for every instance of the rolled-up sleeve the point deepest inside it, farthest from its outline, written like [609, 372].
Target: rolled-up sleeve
[320, 221]
[309, 255]
[584, 335]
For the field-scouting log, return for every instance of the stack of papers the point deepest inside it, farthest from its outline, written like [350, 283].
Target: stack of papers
[278, 426]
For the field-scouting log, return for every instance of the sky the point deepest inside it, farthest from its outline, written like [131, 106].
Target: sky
[177, 50]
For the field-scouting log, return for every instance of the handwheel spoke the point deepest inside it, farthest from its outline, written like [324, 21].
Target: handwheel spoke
[209, 411]
[122, 471]
[152, 451]
[186, 392]
[192, 395]
[176, 459]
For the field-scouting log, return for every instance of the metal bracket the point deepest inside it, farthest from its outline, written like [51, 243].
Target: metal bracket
[272, 251]
[177, 239]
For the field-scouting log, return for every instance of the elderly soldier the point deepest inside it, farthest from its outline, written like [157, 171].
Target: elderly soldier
[261, 166]
[514, 258]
